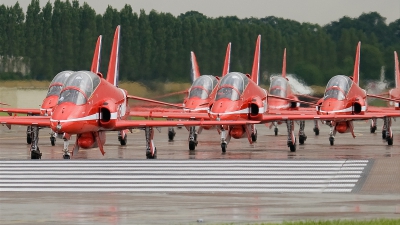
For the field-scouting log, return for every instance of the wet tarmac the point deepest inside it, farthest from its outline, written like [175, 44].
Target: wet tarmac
[374, 194]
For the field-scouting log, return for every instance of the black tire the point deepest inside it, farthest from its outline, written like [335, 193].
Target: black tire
[36, 154]
[292, 147]
[223, 147]
[316, 131]
[372, 129]
[28, 139]
[192, 145]
[383, 134]
[301, 140]
[53, 141]
[66, 157]
[149, 156]
[332, 140]
[276, 131]
[390, 141]
[124, 140]
[171, 135]
[254, 137]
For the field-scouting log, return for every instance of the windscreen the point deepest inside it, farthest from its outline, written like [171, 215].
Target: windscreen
[338, 87]
[232, 86]
[278, 86]
[79, 87]
[202, 87]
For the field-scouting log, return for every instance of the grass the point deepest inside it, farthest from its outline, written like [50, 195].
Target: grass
[339, 222]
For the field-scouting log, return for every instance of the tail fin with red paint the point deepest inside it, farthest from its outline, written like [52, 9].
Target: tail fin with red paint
[396, 70]
[284, 64]
[113, 66]
[227, 62]
[255, 72]
[356, 73]
[195, 72]
[96, 57]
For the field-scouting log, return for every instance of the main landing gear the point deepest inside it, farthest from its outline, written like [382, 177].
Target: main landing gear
[122, 137]
[387, 130]
[35, 152]
[302, 135]
[171, 133]
[192, 138]
[372, 128]
[291, 142]
[316, 127]
[276, 128]
[151, 150]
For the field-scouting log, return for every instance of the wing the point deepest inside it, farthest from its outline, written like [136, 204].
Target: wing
[128, 124]
[20, 110]
[272, 118]
[154, 101]
[171, 115]
[41, 121]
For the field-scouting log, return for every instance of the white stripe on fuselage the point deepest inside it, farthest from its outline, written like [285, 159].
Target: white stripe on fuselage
[86, 118]
[261, 110]
[350, 109]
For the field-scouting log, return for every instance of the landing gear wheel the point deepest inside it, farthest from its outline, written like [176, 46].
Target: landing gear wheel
[66, 157]
[331, 140]
[372, 129]
[254, 137]
[28, 139]
[36, 154]
[292, 146]
[316, 131]
[383, 134]
[390, 140]
[171, 135]
[276, 131]
[302, 139]
[223, 147]
[53, 141]
[149, 156]
[124, 140]
[192, 145]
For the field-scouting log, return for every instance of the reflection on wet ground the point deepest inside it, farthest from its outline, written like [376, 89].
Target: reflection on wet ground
[377, 198]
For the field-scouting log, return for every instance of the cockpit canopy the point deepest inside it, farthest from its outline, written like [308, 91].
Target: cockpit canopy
[58, 82]
[79, 87]
[203, 86]
[278, 86]
[232, 86]
[338, 87]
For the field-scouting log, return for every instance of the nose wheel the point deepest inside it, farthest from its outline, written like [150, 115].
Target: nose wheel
[150, 156]
[276, 131]
[332, 140]
[223, 147]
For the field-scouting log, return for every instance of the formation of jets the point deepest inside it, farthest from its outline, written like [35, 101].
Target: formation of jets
[88, 105]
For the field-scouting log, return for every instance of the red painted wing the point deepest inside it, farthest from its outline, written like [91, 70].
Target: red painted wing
[41, 121]
[128, 124]
[171, 115]
[21, 110]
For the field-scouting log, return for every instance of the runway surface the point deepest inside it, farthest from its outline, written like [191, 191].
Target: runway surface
[354, 179]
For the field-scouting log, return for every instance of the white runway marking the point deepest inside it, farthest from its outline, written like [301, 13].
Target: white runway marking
[181, 175]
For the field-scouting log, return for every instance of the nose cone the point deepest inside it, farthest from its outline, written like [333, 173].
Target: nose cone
[225, 109]
[333, 106]
[68, 118]
[48, 105]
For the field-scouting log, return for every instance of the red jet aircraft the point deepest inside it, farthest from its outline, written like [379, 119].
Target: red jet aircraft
[343, 96]
[51, 99]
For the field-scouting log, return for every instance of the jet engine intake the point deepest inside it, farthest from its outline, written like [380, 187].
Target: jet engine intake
[358, 106]
[254, 108]
[106, 115]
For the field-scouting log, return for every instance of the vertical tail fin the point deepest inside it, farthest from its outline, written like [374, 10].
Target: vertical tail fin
[113, 66]
[284, 64]
[96, 57]
[396, 70]
[356, 73]
[227, 62]
[195, 72]
[255, 72]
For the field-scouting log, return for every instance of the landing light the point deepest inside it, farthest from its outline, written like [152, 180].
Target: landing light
[58, 126]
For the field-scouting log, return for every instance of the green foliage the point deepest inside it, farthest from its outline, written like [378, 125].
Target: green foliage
[155, 46]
